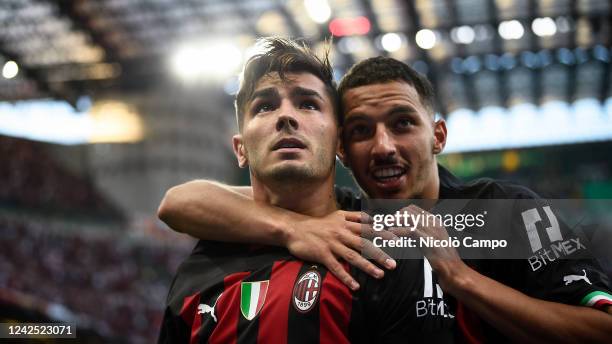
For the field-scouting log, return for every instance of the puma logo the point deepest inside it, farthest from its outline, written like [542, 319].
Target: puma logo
[573, 278]
[204, 308]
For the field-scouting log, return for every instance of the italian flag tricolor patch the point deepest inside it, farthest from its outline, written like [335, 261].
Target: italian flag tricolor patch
[252, 298]
[597, 299]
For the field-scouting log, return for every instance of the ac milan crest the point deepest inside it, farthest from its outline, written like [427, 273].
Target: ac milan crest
[306, 291]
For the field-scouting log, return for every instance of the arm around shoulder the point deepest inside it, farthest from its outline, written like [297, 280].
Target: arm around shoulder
[188, 201]
[211, 210]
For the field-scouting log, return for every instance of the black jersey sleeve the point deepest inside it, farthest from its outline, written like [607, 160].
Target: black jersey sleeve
[173, 329]
[559, 265]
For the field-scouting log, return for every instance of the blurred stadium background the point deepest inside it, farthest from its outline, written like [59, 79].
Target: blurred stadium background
[106, 104]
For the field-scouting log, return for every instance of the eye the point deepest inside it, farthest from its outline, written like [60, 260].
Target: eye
[359, 131]
[309, 105]
[263, 107]
[403, 123]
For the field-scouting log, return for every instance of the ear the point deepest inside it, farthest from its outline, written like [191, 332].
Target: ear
[240, 151]
[439, 136]
[340, 153]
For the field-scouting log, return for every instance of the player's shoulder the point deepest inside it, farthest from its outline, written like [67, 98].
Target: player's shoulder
[505, 196]
[481, 188]
[211, 262]
[502, 189]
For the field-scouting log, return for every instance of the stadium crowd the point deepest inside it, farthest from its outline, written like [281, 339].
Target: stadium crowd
[116, 287]
[31, 177]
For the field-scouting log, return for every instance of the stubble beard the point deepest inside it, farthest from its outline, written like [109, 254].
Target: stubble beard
[297, 174]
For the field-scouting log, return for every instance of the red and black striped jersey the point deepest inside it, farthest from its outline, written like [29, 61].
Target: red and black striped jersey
[232, 293]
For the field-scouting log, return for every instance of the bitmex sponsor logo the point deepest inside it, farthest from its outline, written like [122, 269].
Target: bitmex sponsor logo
[430, 305]
[558, 248]
[531, 217]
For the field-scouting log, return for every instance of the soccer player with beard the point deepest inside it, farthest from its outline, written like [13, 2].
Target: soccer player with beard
[242, 293]
[390, 141]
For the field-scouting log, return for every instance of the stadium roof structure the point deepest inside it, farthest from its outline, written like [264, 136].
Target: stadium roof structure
[477, 53]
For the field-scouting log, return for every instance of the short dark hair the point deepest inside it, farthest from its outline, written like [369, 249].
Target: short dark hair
[381, 69]
[283, 56]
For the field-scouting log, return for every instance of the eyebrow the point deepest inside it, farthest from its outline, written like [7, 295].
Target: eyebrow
[304, 92]
[401, 109]
[356, 117]
[268, 92]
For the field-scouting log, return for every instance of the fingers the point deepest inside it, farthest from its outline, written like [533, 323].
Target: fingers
[377, 254]
[358, 228]
[357, 216]
[370, 234]
[334, 266]
[403, 232]
[360, 240]
[356, 245]
[357, 260]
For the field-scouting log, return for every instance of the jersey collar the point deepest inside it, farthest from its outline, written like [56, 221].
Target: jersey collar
[450, 185]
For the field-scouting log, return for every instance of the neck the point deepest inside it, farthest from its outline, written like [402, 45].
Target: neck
[432, 189]
[313, 198]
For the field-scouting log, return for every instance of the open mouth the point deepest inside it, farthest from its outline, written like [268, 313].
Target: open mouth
[288, 144]
[388, 174]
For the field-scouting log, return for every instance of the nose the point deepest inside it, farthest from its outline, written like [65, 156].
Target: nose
[286, 119]
[384, 147]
